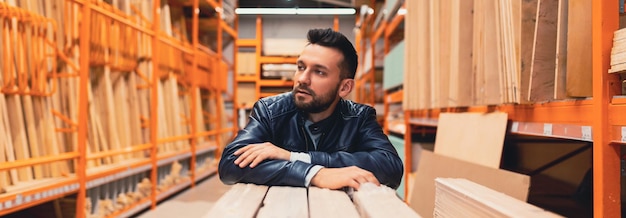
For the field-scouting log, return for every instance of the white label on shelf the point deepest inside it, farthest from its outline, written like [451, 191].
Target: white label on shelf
[515, 127]
[37, 196]
[586, 133]
[547, 128]
[8, 204]
[27, 199]
[1, 206]
[623, 133]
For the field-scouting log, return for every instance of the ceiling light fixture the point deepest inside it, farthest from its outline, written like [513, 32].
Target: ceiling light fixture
[303, 11]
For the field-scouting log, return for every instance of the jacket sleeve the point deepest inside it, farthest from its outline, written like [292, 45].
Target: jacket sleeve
[268, 172]
[372, 151]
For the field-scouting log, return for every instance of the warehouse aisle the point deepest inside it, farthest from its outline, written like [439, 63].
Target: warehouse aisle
[191, 203]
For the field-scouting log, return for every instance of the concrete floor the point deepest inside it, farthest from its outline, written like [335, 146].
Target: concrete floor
[193, 202]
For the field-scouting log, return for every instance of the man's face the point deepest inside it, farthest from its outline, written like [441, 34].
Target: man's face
[317, 78]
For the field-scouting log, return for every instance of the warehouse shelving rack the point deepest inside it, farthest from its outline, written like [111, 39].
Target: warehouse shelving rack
[598, 119]
[213, 80]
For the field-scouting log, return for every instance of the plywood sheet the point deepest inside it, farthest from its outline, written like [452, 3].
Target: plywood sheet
[529, 14]
[473, 137]
[432, 166]
[542, 68]
[460, 29]
[579, 70]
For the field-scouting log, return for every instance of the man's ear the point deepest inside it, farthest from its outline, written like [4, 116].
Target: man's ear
[346, 87]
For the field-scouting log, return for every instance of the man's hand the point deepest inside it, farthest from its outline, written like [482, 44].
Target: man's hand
[336, 178]
[253, 154]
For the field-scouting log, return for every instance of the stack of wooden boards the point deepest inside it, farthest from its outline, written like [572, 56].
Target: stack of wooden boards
[30, 98]
[464, 198]
[471, 151]
[618, 52]
[250, 200]
[483, 52]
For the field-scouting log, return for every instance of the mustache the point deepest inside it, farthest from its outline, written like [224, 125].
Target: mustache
[304, 88]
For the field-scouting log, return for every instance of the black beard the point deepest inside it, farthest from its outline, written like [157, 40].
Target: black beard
[318, 104]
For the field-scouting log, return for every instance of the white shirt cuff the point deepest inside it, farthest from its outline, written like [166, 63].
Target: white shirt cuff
[304, 157]
[311, 174]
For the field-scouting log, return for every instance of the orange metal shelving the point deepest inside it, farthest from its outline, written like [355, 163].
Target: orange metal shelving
[49, 189]
[598, 119]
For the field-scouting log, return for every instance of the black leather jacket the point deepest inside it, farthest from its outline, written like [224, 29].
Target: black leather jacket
[352, 138]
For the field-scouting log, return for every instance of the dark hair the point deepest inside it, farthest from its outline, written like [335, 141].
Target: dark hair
[333, 39]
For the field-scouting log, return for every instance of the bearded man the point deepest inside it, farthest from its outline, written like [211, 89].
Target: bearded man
[312, 135]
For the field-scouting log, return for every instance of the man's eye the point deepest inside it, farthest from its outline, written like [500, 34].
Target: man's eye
[320, 72]
[300, 68]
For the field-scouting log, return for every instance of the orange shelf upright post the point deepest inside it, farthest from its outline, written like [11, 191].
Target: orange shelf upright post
[606, 157]
[154, 94]
[81, 168]
[194, 86]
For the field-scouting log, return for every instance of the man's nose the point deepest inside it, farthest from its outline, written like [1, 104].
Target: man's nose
[304, 77]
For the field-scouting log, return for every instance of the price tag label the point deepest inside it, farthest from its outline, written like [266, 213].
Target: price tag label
[515, 127]
[547, 129]
[586, 131]
[623, 133]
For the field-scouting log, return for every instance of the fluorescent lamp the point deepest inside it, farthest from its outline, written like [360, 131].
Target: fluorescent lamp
[265, 11]
[326, 11]
[304, 11]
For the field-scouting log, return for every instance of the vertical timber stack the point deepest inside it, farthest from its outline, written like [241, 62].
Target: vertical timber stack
[504, 52]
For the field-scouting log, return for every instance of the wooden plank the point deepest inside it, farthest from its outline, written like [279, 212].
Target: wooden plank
[380, 202]
[32, 134]
[284, 201]
[578, 82]
[461, 28]
[51, 136]
[435, 42]
[528, 20]
[122, 118]
[422, 45]
[44, 145]
[458, 197]
[133, 113]
[242, 200]
[489, 79]
[410, 54]
[4, 141]
[106, 88]
[18, 134]
[432, 166]
[561, 52]
[330, 203]
[473, 137]
[542, 68]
